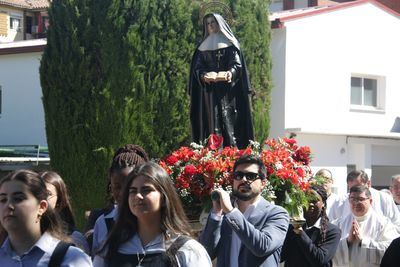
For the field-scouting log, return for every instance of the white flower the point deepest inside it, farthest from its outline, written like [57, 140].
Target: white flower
[196, 146]
[278, 165]
[255, 145]
[184, 192]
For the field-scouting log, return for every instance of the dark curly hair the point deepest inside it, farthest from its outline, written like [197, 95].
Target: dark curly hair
[128, 156]
[321, 191]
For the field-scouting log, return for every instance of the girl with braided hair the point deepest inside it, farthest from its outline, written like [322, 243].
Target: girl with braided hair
[315, 243]
[124, 161]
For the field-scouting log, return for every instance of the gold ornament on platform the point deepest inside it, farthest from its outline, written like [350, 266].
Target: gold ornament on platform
[216, 7]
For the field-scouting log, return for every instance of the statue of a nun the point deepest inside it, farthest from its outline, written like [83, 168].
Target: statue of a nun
[219, 86]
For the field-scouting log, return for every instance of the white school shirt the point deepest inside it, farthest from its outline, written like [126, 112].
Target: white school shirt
[100, 231]
[191, 254]
[80, 241]
[377, 232]
[39, 254]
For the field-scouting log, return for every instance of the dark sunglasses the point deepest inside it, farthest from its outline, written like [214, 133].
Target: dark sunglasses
[250, 176]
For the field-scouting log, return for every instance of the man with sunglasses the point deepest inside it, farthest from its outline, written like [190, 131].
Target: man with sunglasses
[365, 234]
[243, 229]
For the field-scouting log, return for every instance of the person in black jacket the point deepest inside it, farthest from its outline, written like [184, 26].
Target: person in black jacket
[315, 243]
[392, 254]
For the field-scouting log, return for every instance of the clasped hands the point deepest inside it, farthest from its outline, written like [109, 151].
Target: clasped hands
[354, 234]
[223, 204]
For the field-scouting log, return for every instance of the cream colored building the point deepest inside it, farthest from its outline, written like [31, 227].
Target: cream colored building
[23, 20]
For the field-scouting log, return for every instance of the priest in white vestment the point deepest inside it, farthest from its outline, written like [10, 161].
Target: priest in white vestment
[365, 234]
[382, 203]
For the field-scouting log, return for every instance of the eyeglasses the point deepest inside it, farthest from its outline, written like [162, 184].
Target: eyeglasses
[358, 199]
[250, 176]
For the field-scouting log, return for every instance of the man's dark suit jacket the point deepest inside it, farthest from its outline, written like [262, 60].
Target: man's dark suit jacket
[392, 255]
[262, 236]
[305, 250]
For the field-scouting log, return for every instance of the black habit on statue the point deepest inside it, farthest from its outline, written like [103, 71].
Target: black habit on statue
[220, 107]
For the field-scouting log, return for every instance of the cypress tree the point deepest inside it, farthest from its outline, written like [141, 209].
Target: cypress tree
[71, 79]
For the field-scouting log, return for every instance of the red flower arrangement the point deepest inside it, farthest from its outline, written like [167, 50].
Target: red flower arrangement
[288, 172]
[197, 170]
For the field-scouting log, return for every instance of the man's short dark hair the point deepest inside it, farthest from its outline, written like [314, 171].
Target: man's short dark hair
[361, 189]
[355, 174]
[251, 159]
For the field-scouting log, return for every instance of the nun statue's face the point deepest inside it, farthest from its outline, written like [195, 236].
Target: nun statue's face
[212, 25]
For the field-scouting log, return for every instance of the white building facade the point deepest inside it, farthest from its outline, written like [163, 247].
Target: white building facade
[336, 76]
[21, 109]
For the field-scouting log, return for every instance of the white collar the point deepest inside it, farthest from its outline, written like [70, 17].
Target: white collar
[317, 224]
[46, 243]
[364, 217]
[214, 42]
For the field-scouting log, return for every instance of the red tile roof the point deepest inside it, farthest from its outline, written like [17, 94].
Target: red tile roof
[26, 4]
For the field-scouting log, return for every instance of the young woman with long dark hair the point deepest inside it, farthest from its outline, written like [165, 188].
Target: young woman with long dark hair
[152, 228]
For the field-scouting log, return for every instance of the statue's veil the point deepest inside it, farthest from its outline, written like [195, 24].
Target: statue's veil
[224, 28]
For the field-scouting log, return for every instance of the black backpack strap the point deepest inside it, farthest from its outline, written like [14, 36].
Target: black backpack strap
[173, 249]
[109, 224]
[58, 254]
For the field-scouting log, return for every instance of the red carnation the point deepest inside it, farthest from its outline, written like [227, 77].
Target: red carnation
[171, 160]
[303, 155]
[181, 182]
[290, 141]
[190, 170]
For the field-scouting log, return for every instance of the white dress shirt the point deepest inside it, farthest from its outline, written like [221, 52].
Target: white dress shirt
[39, 254]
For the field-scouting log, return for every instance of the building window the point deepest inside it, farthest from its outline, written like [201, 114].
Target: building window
[367, 91]
[15, 23]
[276, 5]
[28, 24]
